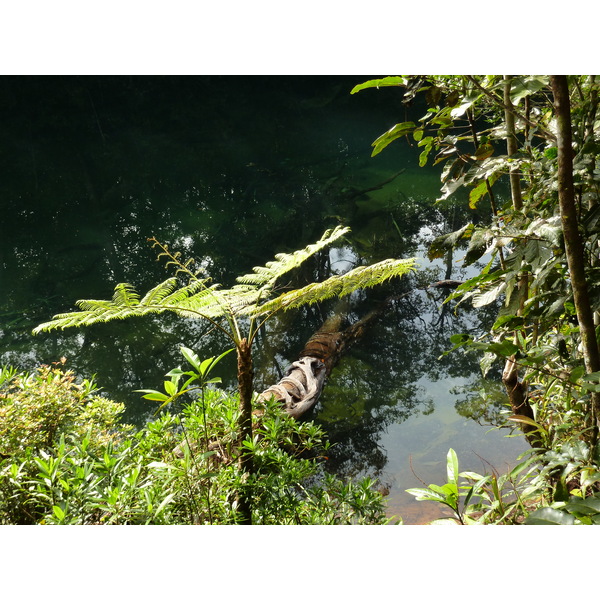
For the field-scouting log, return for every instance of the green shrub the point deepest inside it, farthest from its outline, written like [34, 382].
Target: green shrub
[36, 408]
[68, 460]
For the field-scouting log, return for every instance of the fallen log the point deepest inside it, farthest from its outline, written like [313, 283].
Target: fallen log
[303, 382]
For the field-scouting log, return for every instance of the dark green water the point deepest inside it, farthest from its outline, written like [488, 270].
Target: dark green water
[231, 170]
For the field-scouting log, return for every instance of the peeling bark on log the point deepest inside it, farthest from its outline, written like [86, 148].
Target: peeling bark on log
[301, 387]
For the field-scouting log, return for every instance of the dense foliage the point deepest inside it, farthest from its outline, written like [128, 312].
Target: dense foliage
[527, 146]
[66, 459]
[539, 137]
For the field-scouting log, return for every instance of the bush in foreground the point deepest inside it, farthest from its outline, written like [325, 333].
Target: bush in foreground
[67, 459]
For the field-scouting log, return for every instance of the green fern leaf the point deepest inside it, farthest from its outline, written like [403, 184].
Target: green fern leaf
[125, 295]
[160, 292]
[339, 285]
[267, 275]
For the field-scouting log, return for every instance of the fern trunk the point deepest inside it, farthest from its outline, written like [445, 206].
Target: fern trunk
[245, 379]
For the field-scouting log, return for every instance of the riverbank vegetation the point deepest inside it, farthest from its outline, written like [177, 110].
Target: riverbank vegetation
[67, 459]
[539, 136]
[524, 146]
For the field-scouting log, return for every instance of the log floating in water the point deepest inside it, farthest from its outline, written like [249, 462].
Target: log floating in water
[304, 380]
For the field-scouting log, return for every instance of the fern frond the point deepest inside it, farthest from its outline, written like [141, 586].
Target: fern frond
[125, 295]
[193, 300]
[159, 292]
[273, 270]
[339, 285]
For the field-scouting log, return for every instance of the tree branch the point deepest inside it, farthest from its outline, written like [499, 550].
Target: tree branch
[497, 100]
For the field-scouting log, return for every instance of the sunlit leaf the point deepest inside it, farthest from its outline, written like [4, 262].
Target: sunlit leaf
[525, 421]
[154, 395]
[452, 467]
[170, 387]
[397, 131]
[426, 494]
[191, 357]
[480, 299]
[525, 86]
[505, 348]
[377, 83]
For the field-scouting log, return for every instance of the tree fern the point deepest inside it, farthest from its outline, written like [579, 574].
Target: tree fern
[250, 297]
[194, 299]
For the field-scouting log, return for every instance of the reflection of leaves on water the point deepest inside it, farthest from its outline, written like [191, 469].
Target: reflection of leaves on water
[484, 401]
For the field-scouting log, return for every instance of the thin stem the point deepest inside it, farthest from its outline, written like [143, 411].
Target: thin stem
[511, 145]
[202, 395]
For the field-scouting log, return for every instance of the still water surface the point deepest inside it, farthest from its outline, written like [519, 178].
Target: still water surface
[231, 170]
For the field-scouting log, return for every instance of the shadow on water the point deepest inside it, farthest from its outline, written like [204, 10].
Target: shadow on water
[232, 170]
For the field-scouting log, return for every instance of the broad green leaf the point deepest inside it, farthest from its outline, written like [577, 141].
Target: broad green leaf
[480, 299]
[205, 366]
[525, 86]
[460, 338]
[153, 395]
[191, 357]
[397, 131]
[584, 506]
[426, 494]
[170, 388]
[504, 348]
[481, 189]
[478, 192]
[549, 229]
[576, 374]
[465, 104]
[59, 513]
[452, 467]
[549, 516]
[377, 83]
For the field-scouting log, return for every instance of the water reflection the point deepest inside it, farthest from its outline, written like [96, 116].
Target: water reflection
[229, 171]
